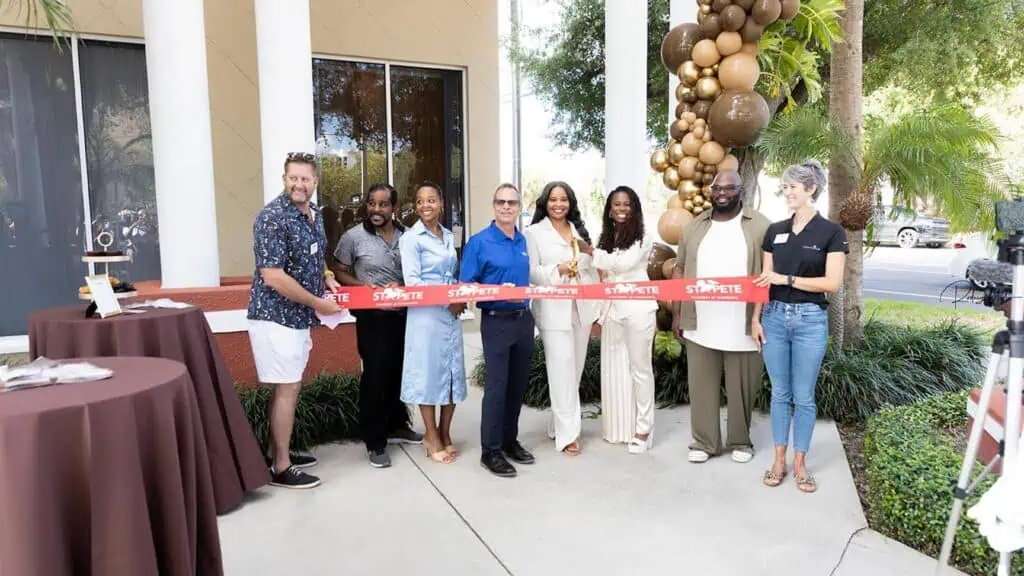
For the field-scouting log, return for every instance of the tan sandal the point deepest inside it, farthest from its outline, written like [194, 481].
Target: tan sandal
[442, 456]
[573, 449]
[772, 478]
[451, 450]
[806, 483]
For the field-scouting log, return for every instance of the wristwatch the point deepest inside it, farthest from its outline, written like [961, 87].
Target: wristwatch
[790, 280]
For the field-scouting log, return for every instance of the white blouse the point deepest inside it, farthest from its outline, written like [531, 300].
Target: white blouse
[629, 265]
[547, 249]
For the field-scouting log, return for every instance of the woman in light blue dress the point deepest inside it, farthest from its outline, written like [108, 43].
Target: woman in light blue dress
[433, 373]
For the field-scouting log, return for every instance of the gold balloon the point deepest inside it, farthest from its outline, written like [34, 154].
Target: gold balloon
[688, 73]
[706, 190]
[708, 72]
[671, 224]
[705, 9]
[688, 188]
[706, 2]
[688, 205]
[708, 88]
[659, 160]
[700, 166]
[675, 153]
[697, 210]
[708, 178]
[674, 202]
[671, 177]
[690, 96]
[687, 167]
[698, 200]
[711, 170]
[682, 90]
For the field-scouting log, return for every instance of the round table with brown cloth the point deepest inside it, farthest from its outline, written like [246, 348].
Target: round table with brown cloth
[107, 478]
[236, 464]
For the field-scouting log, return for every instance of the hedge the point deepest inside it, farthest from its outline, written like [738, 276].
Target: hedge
[894, 366]
[912, 467]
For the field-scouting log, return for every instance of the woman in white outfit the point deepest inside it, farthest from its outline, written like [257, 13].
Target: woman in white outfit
[627, 326]
[553, 242]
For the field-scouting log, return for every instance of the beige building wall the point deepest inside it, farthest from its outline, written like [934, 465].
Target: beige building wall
[460, 33]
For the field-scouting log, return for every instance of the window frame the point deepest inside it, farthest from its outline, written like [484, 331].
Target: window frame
[467, 226]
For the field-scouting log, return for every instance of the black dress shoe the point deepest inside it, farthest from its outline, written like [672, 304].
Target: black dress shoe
[497, 465]
[518, 454]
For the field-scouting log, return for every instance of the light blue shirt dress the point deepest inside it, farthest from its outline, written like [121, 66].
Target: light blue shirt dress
[434, 372]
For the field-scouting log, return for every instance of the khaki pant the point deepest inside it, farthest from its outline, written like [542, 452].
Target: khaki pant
[743, 371]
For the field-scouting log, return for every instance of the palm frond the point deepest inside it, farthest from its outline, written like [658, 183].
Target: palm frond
[801, 134]
[56, 13]
[818, 21]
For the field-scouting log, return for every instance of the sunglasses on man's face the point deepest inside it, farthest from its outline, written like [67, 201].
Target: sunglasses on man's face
[510, 203]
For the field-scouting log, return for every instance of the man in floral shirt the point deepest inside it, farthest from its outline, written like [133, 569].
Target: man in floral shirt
[287, 291]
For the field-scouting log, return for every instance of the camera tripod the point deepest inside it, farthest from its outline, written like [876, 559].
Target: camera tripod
[1006, 345]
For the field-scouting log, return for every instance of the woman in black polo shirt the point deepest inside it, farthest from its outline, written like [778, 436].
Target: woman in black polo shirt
[804, 257]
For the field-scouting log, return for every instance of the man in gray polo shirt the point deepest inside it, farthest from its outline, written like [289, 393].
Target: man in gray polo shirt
[368, 256]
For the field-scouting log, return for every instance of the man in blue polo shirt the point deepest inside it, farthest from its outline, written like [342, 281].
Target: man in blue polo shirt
[497, 255]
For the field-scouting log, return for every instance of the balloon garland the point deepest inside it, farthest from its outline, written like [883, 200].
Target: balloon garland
[716, 62]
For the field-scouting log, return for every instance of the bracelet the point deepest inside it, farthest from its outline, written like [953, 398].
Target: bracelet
[328, 274]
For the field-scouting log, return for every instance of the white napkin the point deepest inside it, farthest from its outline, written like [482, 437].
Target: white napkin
[161, 303]
[44, 371]
[332, 321]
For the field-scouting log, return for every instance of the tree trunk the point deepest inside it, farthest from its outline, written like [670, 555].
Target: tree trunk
[845, 101]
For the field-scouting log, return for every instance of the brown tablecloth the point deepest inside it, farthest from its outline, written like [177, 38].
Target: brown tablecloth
[236, 464]
[107, 478]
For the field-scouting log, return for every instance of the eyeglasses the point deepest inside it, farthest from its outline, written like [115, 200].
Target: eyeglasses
[509, 203]
[302, 157]
[730, 188]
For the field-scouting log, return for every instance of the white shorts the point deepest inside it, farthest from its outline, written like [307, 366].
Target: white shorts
[280, 352]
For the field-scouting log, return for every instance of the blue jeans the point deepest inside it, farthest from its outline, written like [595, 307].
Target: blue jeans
[796, 336]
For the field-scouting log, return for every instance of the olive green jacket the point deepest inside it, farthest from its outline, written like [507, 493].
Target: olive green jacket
[754, 225]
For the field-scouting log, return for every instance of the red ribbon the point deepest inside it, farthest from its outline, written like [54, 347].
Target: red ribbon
[732, 289]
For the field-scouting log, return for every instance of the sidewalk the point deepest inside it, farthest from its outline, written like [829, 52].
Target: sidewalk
[603, 512]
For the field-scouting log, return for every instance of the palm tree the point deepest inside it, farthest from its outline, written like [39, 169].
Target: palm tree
[945, 156]
[55, 12]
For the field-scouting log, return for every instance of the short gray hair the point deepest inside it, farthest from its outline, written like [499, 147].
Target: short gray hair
[810, 173]
[509, 186]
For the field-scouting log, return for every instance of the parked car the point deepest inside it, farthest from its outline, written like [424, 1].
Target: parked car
[908, 229]
[969, 248]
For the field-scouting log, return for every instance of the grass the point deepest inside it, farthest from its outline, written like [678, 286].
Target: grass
[915, 314]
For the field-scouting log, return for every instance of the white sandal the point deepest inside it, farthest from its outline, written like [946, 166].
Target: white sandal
[641, 446]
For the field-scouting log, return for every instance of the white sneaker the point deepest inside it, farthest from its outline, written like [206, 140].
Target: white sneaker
[698, 456]
[742, 456]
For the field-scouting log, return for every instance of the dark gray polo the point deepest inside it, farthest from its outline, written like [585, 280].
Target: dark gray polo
[370, 258]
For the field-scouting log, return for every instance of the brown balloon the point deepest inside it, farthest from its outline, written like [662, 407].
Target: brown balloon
[666, 268]
[659, 255]
[711, 26]
[729, 164]
[766, 11]
[670, 177]
[710, 170]
[736, 117]
[699, 167]
[701, 108]
[790, 8]
[738, 72]
[719, 5]
[691, 117]
[674, 202]
[733, 18]
[677, 45]
[678, 129]
[705, 53]
[729, 43]
[752, 31]
[708, 88]
[687, 167]
[670, 226]
[659, 161]
[688, 73]
[691, 145]
[711, 153]
[675, 153]
[745, 4]
[682, 109]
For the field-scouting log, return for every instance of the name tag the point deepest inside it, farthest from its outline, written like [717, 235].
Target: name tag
[313, 247]
[781, 238]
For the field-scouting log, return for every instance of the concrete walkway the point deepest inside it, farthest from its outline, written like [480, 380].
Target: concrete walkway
[603, 512]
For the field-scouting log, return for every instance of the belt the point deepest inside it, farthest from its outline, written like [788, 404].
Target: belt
[517, 313]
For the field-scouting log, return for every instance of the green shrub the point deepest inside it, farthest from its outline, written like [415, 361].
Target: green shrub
[894, 366]
[327, 411]
[912, 468]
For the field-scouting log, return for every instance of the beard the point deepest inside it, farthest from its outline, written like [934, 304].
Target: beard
[727, 207]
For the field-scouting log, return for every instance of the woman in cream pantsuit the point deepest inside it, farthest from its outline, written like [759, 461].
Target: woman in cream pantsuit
[552, 241]
[627, 326]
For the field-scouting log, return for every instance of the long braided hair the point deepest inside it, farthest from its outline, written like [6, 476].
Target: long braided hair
[574, 216]
[631, 233]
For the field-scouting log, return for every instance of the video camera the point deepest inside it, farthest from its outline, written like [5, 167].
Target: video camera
[998, 275]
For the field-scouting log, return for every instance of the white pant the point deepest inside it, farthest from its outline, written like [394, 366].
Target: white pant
[565, 352]
[627, 377]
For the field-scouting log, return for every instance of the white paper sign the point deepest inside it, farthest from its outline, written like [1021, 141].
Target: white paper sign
[103, 295]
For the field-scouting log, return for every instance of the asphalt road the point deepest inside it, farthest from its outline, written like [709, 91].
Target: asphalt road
[916, 275]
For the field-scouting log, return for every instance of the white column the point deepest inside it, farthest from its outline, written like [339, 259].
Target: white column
[679, 12]
[625, 116]
[285, 60]
[179, 111]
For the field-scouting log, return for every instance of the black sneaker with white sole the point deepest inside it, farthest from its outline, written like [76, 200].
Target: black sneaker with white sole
[294, 478]
[405, 436]
[379, 459]
[299, 460]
